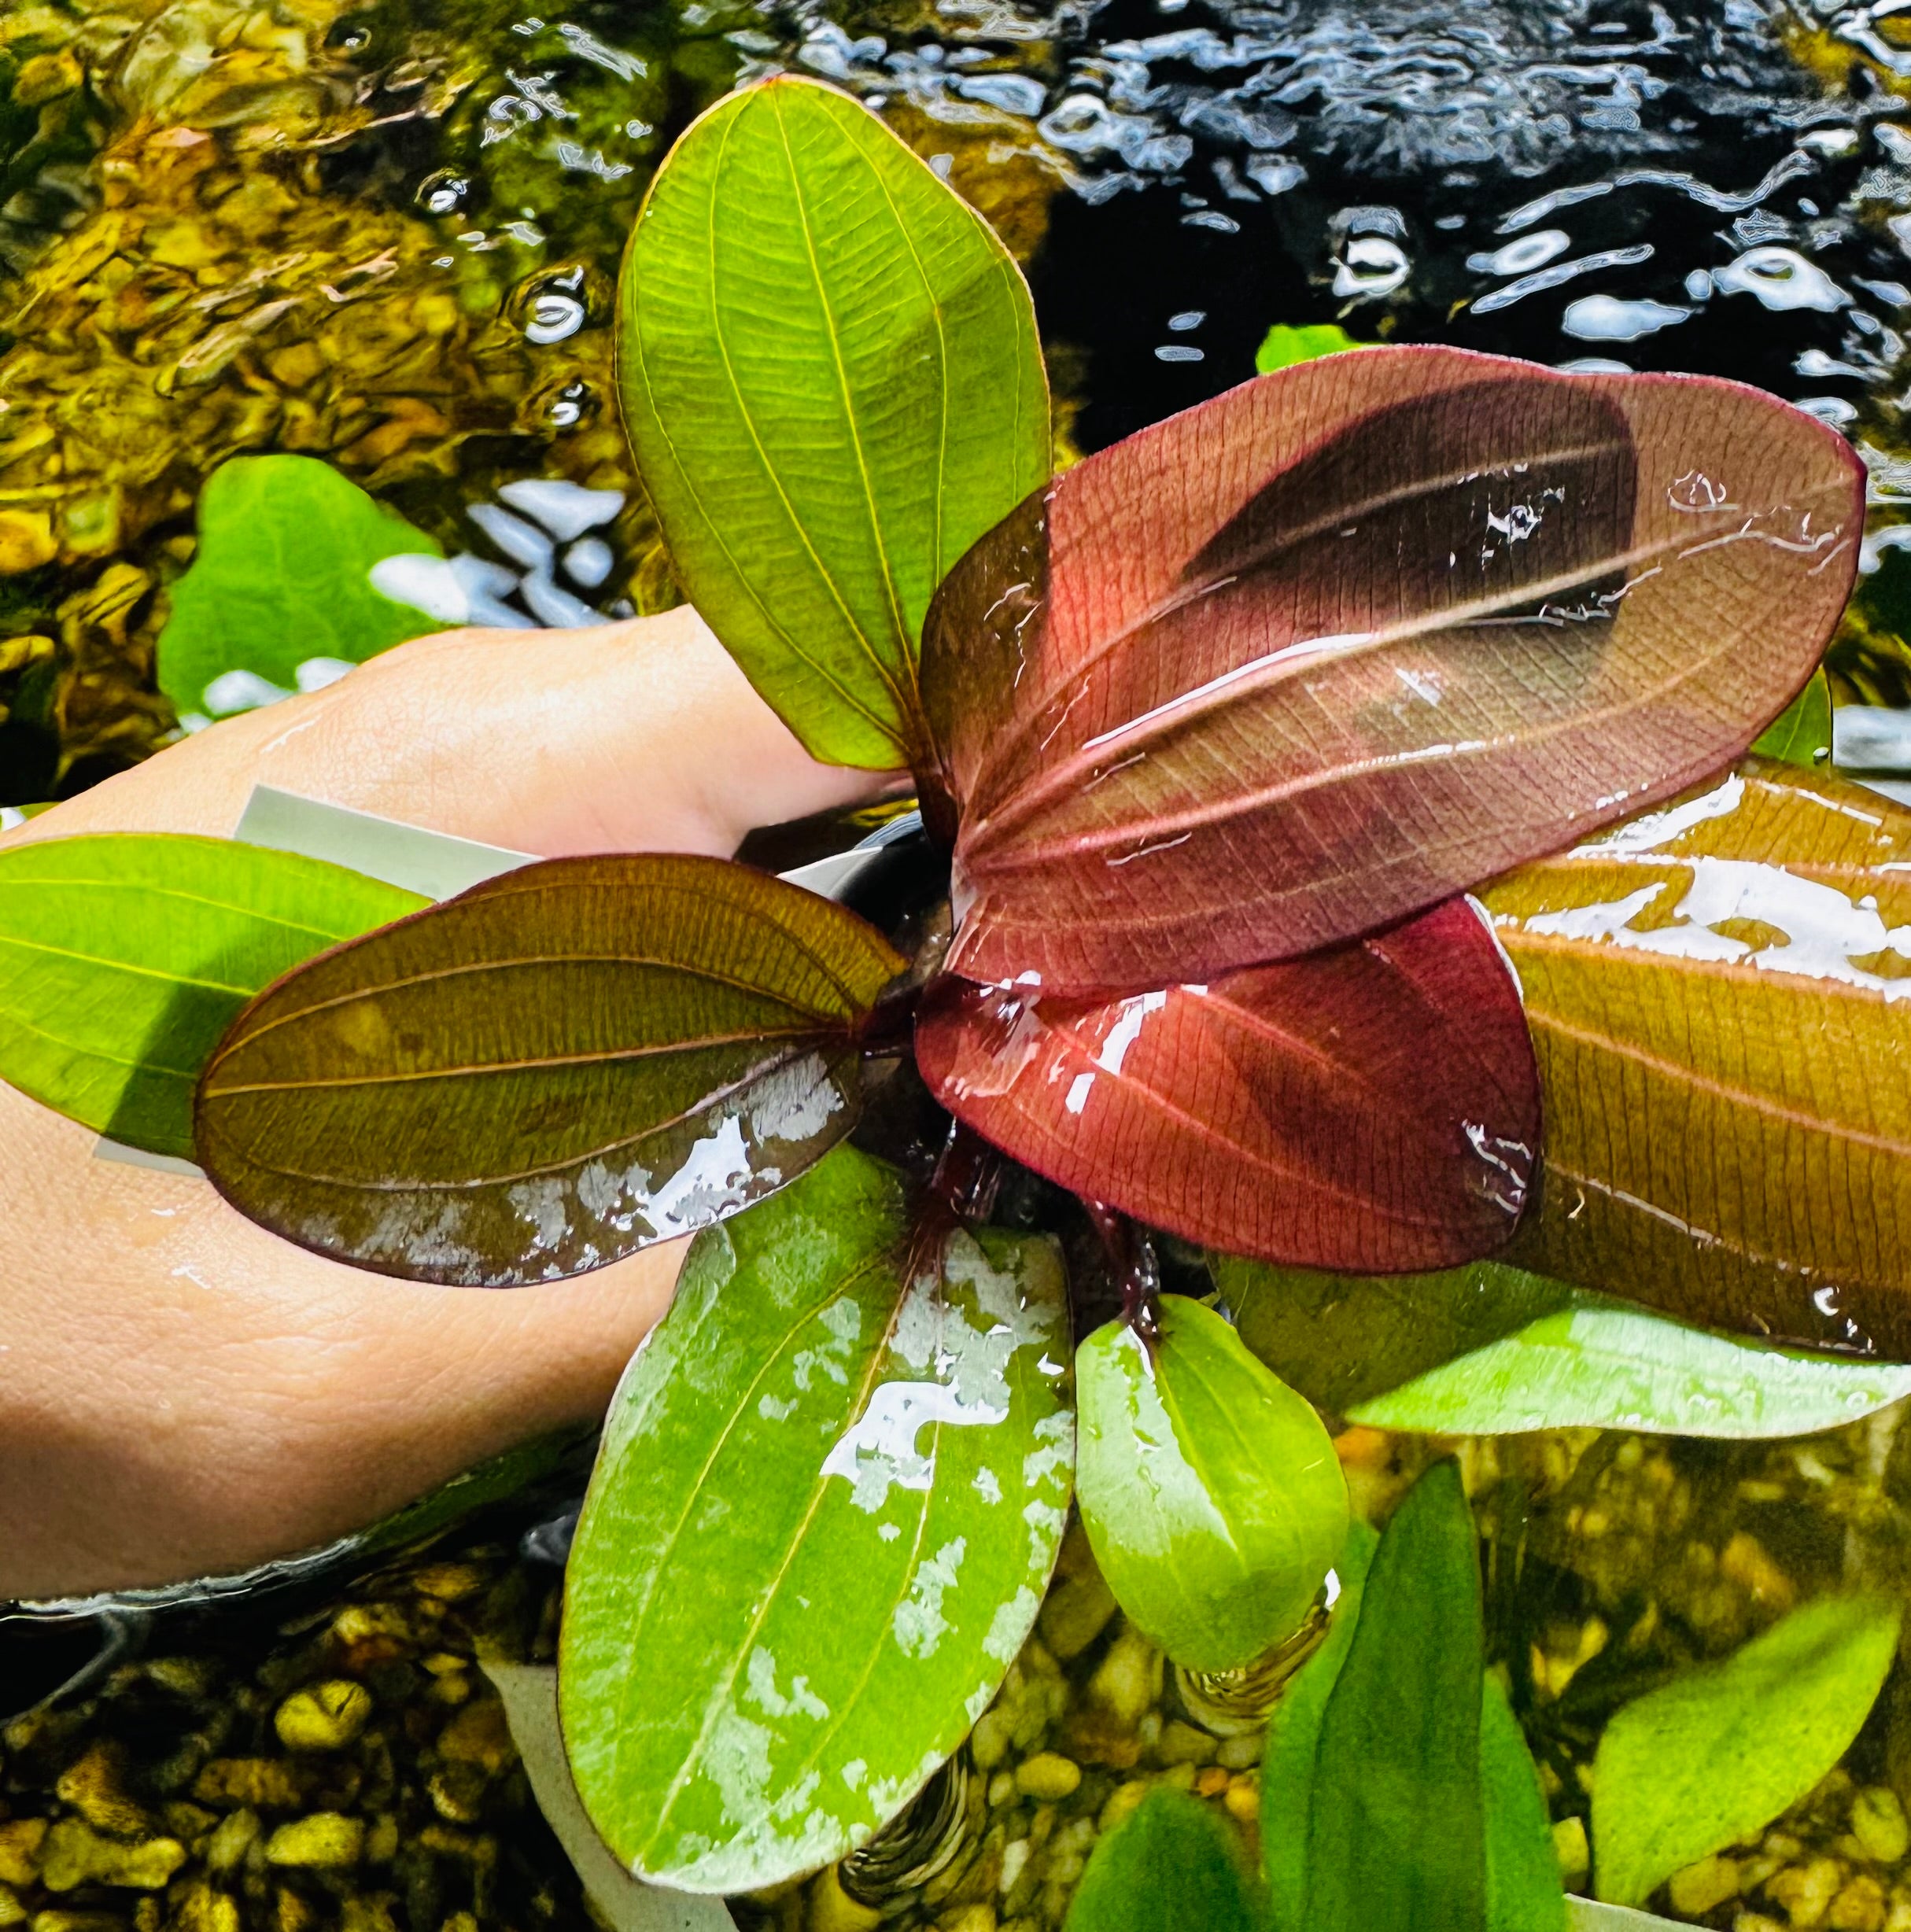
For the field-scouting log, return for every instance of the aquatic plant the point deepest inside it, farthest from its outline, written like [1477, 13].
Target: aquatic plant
[1215, 732]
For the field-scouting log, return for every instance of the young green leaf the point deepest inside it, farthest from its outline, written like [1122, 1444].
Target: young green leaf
[826, 1508]
[282, 577]
[1342, 1339]
[1222, 694]
[1599, 1365]
[1396, 1832]
[1524, 1892]
[832, 383]
[1802, 733]
[1716, 1754]
[1170, 1866]
[1284, 344]
[1210, 1491]
[124, 956]
[1373, 1106]
[1287, 1781]
[1715, 997]
[555, 1069]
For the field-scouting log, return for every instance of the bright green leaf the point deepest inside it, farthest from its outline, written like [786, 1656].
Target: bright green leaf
[832, 383]
[124, 956]
[1284, 344]
[1396, 1832]
[826, 1508]
[1294, 1742]
[1523, 1889]
[281, 578]
[1600, 1365]
[1209, 1490]
[1341, 1339]
[562, 1065]
[1170, 1866]
[1802, 733]
[1716, 1754]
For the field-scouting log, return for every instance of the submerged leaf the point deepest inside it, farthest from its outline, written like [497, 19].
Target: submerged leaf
[124, 956]
[1717, 996]
[282, 579]
[1288, 667]
[1523, 1889]
[1172, 1864]
[1396, 1830]
[1716, 1754]
[1284, 344]
[1343, 1339]
[827, 1507]
[1598, 1366]
[833, 386]
[559, 1067]
[1802, 733]
[1209, 1490]
[1373, 1107]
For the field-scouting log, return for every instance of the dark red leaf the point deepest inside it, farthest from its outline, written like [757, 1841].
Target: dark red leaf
[1373, 1107]
[1356, 635]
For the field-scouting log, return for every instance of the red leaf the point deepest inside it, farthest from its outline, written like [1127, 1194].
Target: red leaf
[1373, 1107]
[1356, 636]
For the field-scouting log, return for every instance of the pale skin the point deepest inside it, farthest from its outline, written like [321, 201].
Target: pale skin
[183, 1395]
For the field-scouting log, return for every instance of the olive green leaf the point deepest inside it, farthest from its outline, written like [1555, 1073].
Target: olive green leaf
[556, 1068]
[832, 383]
[1210, 1491]
[1712, 989]
[1524, 1892]
[1284, 345]
[1396, 1831]
[1171, 1865]
[1802, 733]
[828, 1503]
[1716, 1754]
[1294, 1741]
[124, 956]
[282, 579]
[1342, 1339]
[1598, 1365]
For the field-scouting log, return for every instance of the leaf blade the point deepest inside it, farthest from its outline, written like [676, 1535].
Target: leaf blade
[558, 1066]
[1375, 1106]
[1170, 1863]
[1524, 1891]
[1713, 998]
[814, 334]
[842, 1716]
[108, 1016]
[1202, 674]
[1716, 1754]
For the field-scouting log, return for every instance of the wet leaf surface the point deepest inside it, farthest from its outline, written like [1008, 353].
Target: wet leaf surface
[1599, 1365]
[1523, 1889]
[1373, 1107]
[826, 1507]
[1802, 733]
[559, 1067]
[1171, 1864]
[1716, 1754]
[1344, 1339]
[1351, 637]
[1209, 1490]
[124, 958]
[833, 386]
[282, 577]
[1716, 996]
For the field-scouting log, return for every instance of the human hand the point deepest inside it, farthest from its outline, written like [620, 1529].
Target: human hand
[182, 1394]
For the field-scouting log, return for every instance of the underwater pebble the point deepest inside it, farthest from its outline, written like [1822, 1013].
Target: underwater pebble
[325, 1839]
[1047, 1776]
[589, 561]
[555, 606]
[234, 691]
[1878, 1823]
[420, 583]
[324, 1717]
[566, 509]
[523, 543]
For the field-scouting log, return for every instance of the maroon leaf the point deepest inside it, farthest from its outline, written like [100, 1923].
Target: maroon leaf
[1373, 1107]
[1356, 635]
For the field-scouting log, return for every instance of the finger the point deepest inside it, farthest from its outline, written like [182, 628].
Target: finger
[639, 735]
